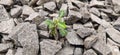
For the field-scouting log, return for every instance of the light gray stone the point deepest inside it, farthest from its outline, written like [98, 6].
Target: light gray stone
[35, 18]
[95, 11]
[77, 26]
[105, 16]
[5, 46]
[10, 52]
[111, 42]
[97, 3]
[6, 2]
[43, 26]
[78, 3]
[15, 12]
[85, 32]
[68, 50]
[40, 2]
[116, 24]
[43, 13]
[78, 51]
[27, 10]
[117, 8]
[7, 26]
[88, 25]
[3, 13]
[65, 8]
[19, 51]
[89, 52]
[50, 6]
[50, 47]
[26, 35]
[43, 34]
[90, 41]
[73, 38]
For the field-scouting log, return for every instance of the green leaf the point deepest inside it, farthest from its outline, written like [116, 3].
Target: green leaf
[49, 23]
[63, 32]
[61, 25]
[61, 13]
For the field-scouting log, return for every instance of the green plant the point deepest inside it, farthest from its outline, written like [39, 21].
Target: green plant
[57, 24]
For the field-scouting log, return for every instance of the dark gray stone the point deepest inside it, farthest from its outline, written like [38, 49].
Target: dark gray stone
[73, 38]
[50, 47]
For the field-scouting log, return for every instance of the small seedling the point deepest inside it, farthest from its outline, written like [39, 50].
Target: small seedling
[57, 24]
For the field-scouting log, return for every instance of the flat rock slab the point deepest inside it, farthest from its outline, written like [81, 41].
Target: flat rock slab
[26, 35]
[89, 52]
[3, 13]
[74, 39]
[50, 47]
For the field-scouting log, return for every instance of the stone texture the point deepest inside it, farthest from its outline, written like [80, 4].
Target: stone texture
[6, 2]
[19, 51]
[43, 26]
[90, 41]
[3, 13]
[43, 33]
[15, 12]
[5, 46]
[77, 26]
[35, 18]
[26, 35]
[78, 51]
[10, 52]
[50, 47]
[89, 52]
[50, 6]
[74, 39]
[116, 24]
[7, 26]
[68, 50]
[95, 11]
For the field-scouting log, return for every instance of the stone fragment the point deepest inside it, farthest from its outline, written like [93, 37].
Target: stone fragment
[116, 24]
[15, 12]
[43, 33]
[7, 26]
[43, 13]
[50, 6]
[105, 17]
[114, 34]
[77, 26]
[117, 8]
[89, 41]
[19, 51]
[10, 52]
[40, 2]
[78, 3]
[111, 42]
[95, 11]
[78, 51]
[35, 18]
[73, 38]
[84, 32]
[68, 50]
[73, 16]
[43, 26]
[5, 46]
[65, 8]
[117, 2]
[24, 2]
[89, 52]
[3, 13]
[25, 35]
[6, 2]
[88, 25]
[50, 47]
[97, 3]
[27, 10]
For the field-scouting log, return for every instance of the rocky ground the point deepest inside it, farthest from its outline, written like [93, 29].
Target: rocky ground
[93, 27]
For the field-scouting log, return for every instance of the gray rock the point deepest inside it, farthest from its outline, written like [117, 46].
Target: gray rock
[101, 45]
[116, 24]
[24, 2]
[43, 33]
[95, 11]
[78, 51]
[50, 47]
[35, 18]
[73, 16]
[15, 12]
[19, 51]
[3, 13]
[50, 6]
[97, 3]
[26, 35]
[7, 26]
[111, 42]
[27, 10]
[78, 3]
[89, 41]
[89, 52]
[10, 52]
[117, 8]
[40, 2]
[84, 32]
[77, 26]
[114, 34]
[117, 2]
[43, 13]
[88, 25]
[105, 16]
[32, 2]
[5, 46]
[65, 8]
[43, 26]
[6, 2]
[68, 50]
[85, 14]
[73, 38]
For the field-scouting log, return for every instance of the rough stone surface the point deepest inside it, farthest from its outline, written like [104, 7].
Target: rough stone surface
[10, 52]
[5, 46]
[6, 2]
[50, 6]
[78, 51]
[74, 39]
[50, 47]
[19, 51]
[89, 52]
